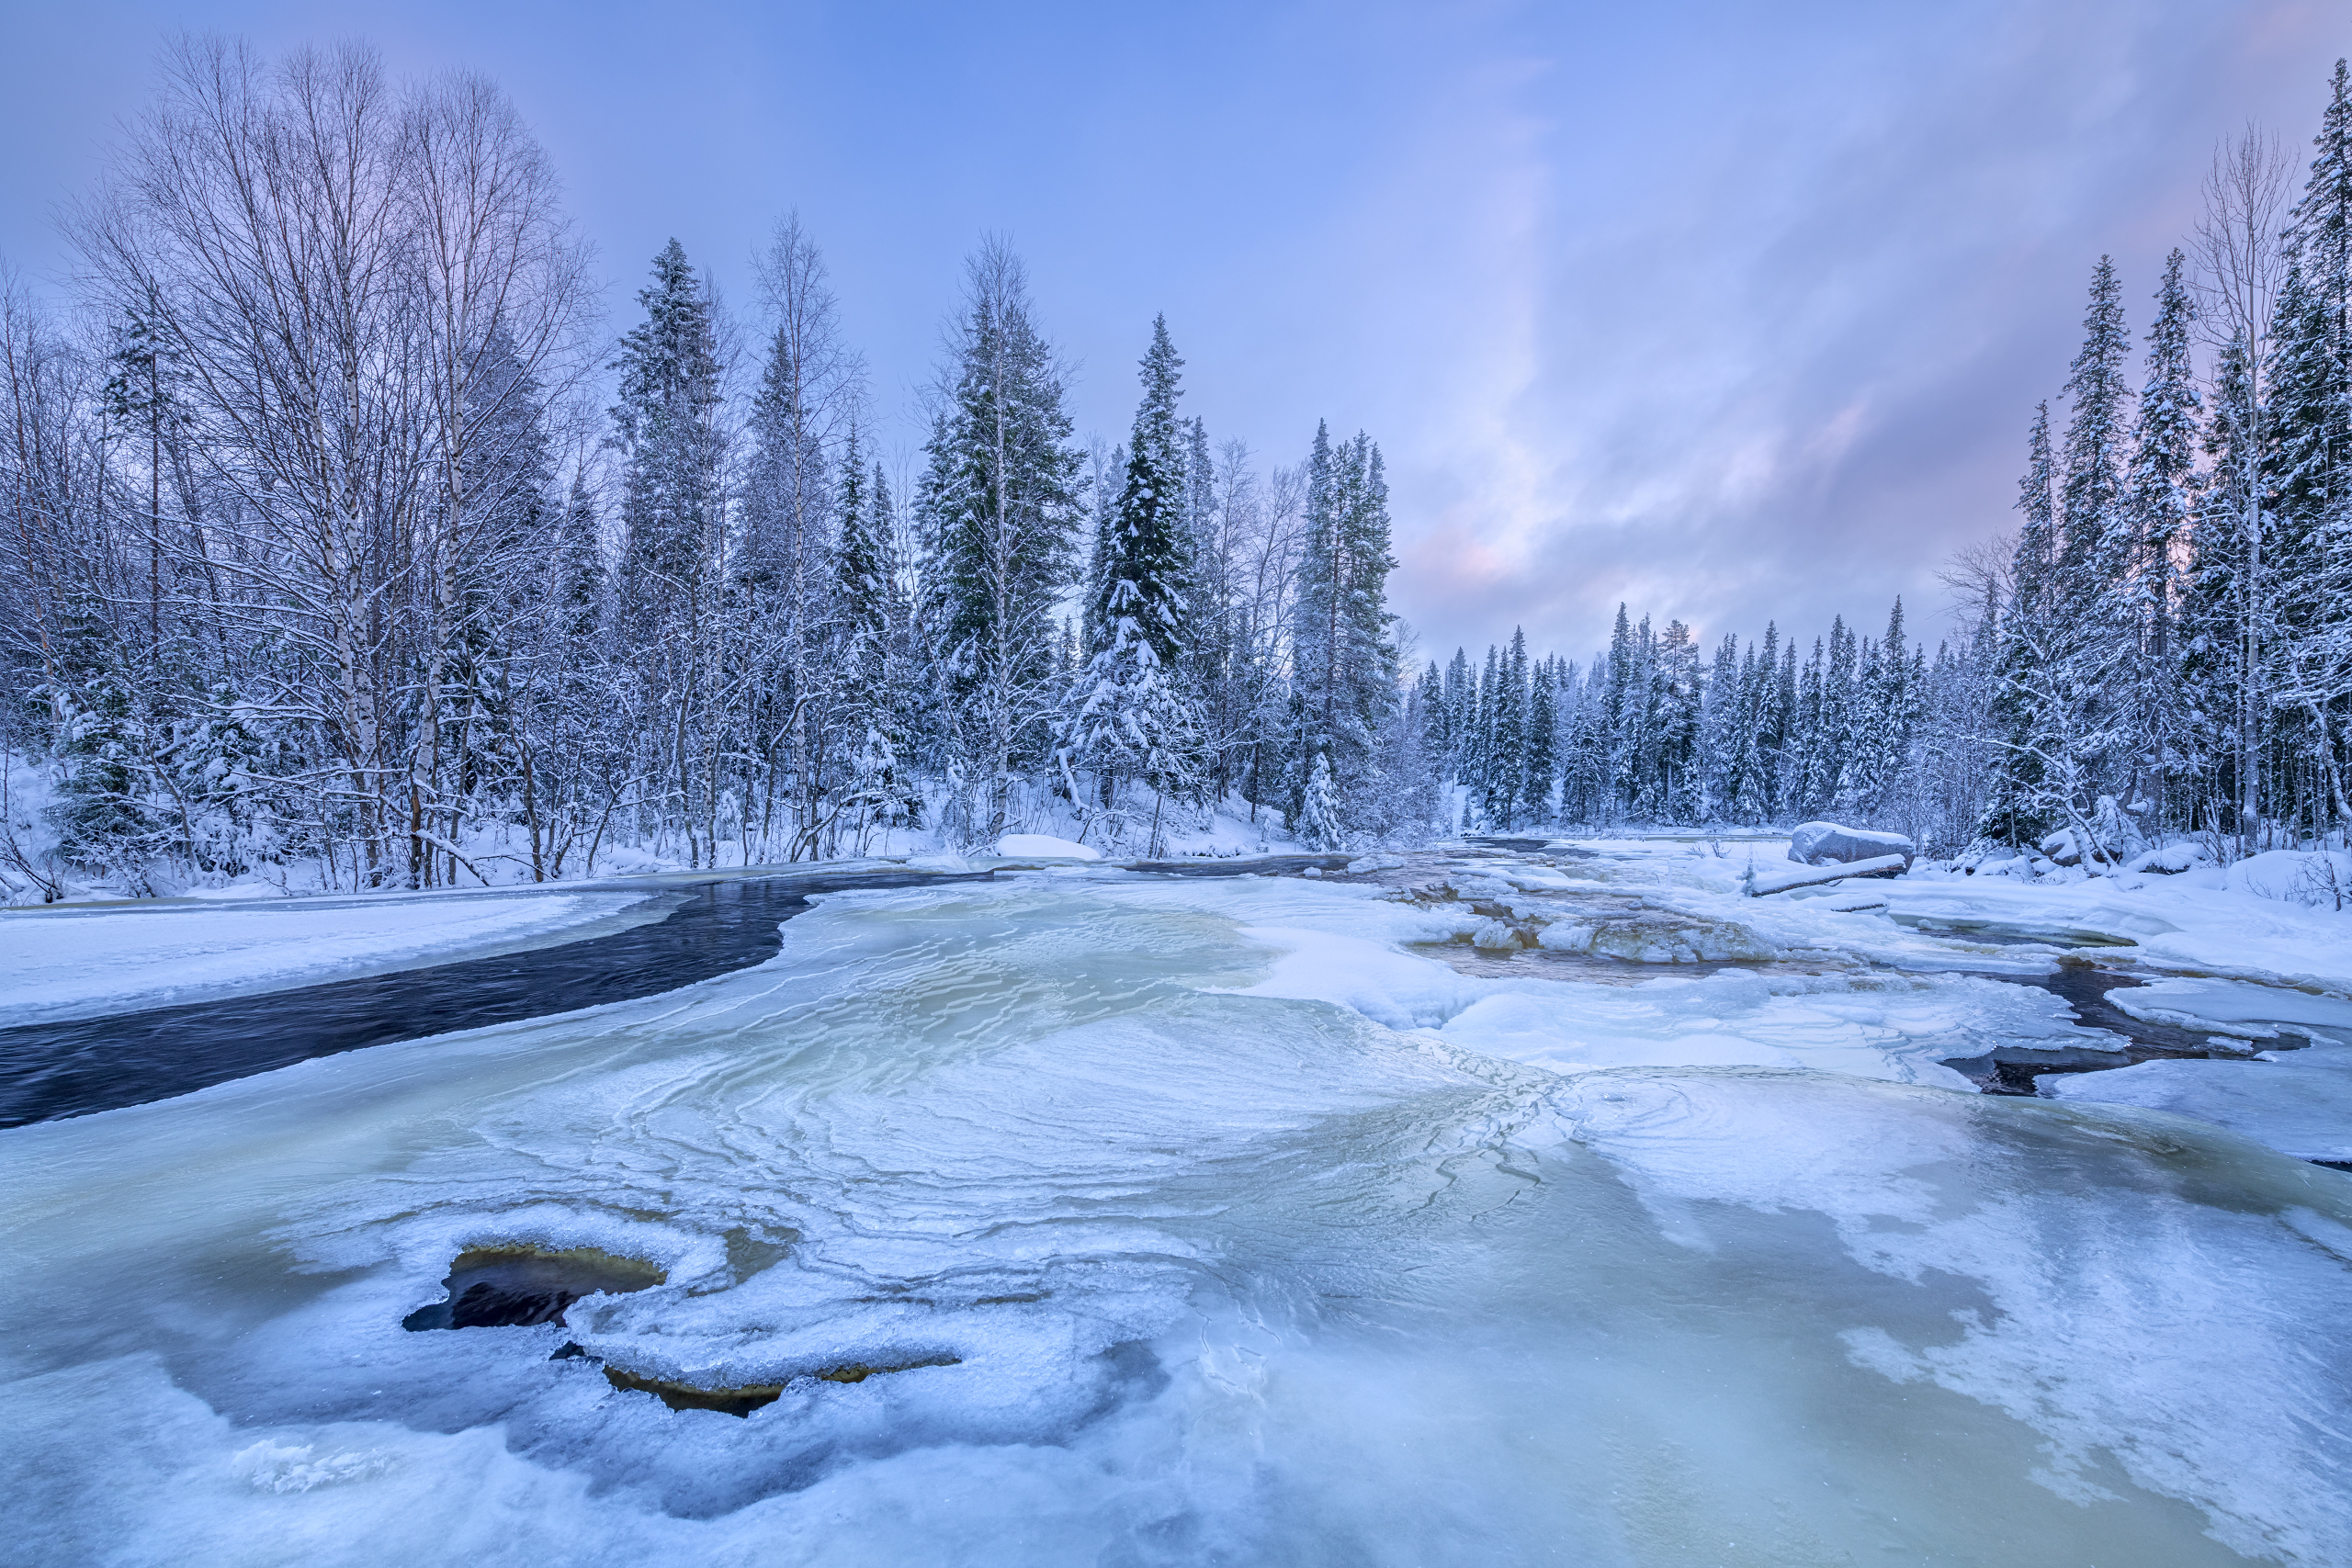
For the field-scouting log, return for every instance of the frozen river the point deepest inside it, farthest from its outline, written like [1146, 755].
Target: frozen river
[1085, 1217]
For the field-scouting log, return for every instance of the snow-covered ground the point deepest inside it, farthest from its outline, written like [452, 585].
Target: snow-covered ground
[1259, 1220]
[88, 962]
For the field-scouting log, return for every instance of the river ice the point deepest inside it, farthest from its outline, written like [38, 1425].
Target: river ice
[1211, 1221]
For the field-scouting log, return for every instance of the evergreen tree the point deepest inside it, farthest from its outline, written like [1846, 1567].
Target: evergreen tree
[867, 658]
[1133, 715]
[1345, 662]
[999, 504]
[1542, 761]
[2013, 810]
[666, 426]
[2161, 493]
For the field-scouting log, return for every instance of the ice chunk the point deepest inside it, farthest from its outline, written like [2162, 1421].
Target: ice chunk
[1493, 936]
[2234, 1007]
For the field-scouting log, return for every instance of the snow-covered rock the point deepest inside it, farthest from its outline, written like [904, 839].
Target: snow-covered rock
[1493, 936]
[2168, 860]
[1566, 938]
[1042, 846]
[1822, 844]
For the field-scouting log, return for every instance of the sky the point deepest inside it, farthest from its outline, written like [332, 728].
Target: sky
[1731, 312]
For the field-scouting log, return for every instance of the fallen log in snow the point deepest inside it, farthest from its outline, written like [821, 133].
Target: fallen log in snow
[1764, 884]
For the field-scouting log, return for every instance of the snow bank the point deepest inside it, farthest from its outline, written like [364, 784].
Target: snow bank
[60, 963]
[2322, 879]
[1042, 846]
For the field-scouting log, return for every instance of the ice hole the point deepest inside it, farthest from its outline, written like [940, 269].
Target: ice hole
[499, 1286]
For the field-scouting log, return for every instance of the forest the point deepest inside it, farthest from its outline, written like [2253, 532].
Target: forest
[347, 546]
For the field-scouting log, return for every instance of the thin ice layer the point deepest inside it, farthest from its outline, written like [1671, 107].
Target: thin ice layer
[2298, 1102]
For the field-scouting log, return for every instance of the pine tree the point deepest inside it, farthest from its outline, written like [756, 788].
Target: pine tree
[999, 507]
[1542, 743]
[1320, 823]
[1132, 713]
[2013, 810]
[2161, 492]
[2096, 544]
[1506, 752]
[1345, 662]
[666, 426]
[861, 658]
[1680, 694]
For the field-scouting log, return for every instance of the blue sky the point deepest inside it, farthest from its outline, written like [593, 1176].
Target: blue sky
[1730, 311]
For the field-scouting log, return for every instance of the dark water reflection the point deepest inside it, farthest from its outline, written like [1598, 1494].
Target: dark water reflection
[70, 1068]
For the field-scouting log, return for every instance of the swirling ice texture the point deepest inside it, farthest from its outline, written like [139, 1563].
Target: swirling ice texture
[1224, 1276]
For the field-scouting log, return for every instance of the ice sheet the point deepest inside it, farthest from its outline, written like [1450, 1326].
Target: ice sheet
[2298, 1102]
[63, 963]
[1248, 1244]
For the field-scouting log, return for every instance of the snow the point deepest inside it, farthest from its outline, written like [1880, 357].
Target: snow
[1042, 846]
[2190, 923]
[1254, 1230]
[2296, 876]
[65, 963]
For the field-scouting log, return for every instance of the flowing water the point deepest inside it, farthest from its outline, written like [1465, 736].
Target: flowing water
[1019, 1221]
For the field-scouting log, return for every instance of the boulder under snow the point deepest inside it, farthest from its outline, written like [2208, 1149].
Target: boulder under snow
[1828, 843]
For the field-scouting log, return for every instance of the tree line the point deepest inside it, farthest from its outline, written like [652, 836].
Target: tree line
[2164, 649]
[320, 562]
[323, 563]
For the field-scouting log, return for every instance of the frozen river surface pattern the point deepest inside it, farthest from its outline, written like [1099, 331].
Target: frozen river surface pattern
[1208, 1223]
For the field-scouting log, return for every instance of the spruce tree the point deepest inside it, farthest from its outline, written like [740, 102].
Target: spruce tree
[2014, 812]
[1132, 714]
[859, 663]
[1345, 664]
[1542, 761]
[2161, 492]
[666, 426]
[998, 506]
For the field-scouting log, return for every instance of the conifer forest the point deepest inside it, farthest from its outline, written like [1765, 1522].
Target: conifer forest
[344, 540]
